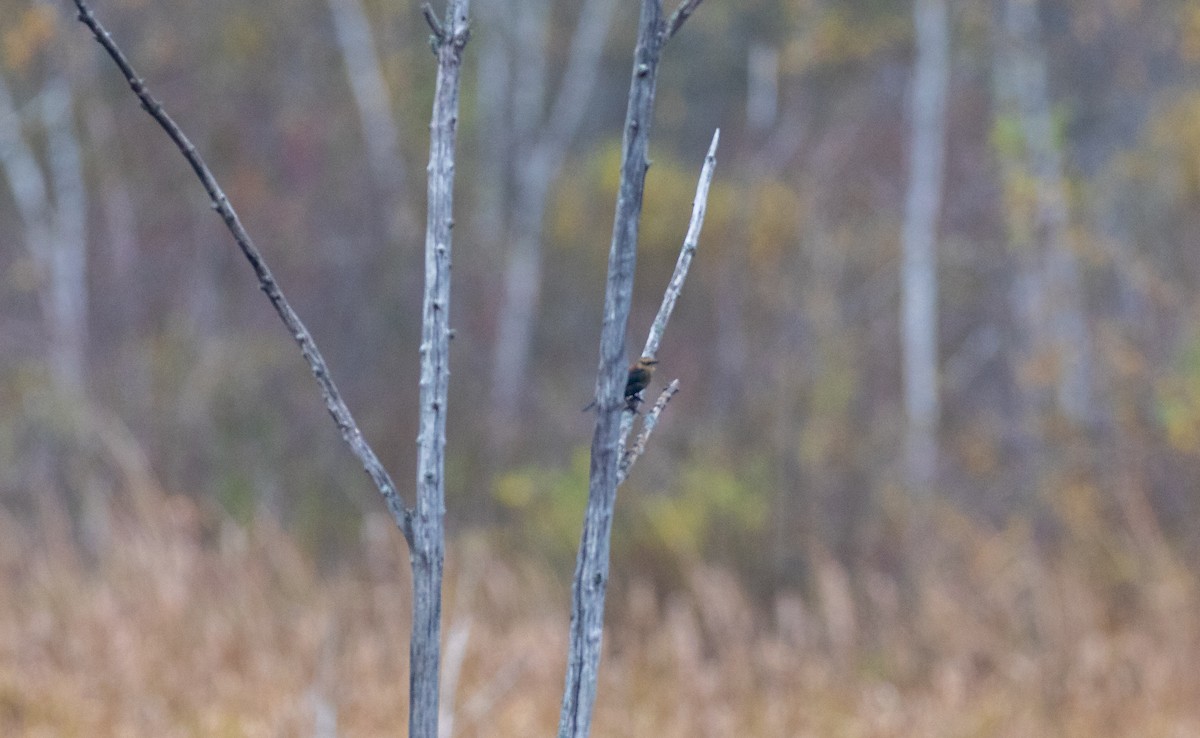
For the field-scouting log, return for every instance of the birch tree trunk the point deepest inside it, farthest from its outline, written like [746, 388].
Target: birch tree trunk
[927, 153]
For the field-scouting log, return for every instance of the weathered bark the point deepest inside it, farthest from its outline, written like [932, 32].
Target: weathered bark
[428, 544]
[927, 154]
[591, 567]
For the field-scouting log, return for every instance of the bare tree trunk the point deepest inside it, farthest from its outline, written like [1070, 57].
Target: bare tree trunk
[428, 531]
[762, 87]
[68, 274]
[522, 289]
[116, 204]
[591, 566]
[927, 154]
[493, 82]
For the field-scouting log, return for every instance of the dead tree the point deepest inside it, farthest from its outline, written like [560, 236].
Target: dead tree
[421, 524]
[613, 414]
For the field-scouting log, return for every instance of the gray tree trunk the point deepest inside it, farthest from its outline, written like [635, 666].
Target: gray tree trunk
[927, 155]
[605, 473]
[428, 531]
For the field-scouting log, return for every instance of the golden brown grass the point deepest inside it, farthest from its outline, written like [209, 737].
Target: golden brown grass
[182, 627]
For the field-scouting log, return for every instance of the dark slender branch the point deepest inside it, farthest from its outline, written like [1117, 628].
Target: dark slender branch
[266, 280]
[680, 16]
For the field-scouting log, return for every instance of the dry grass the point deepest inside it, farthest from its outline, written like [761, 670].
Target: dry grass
[180, 628]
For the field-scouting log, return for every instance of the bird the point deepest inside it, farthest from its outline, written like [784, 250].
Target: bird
[640, 373]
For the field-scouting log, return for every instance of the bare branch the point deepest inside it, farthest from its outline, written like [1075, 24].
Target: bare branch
[684, 262]
[591, 567]
[680, 16]
[435, 25]
[659, 326]
[266, 280]
[628, 458]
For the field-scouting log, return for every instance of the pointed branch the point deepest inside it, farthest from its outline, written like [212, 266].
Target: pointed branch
[684, 262]
[266, 280]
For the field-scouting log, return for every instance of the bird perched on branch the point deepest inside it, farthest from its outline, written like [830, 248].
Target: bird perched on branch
[639, 377]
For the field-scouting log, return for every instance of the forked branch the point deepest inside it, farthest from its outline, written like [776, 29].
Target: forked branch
[659, 326]
[591, 565]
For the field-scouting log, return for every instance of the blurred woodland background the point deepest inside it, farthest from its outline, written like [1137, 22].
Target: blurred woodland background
[187, 548]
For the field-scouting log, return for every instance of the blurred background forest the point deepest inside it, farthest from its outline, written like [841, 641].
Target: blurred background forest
[150, 396]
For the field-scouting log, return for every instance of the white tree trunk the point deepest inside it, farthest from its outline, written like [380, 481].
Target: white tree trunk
[925, 185]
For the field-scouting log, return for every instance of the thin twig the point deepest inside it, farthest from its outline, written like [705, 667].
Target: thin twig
[435, 25]
[684, 262]
[628, 458]
[680, 16]
[266, 280]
